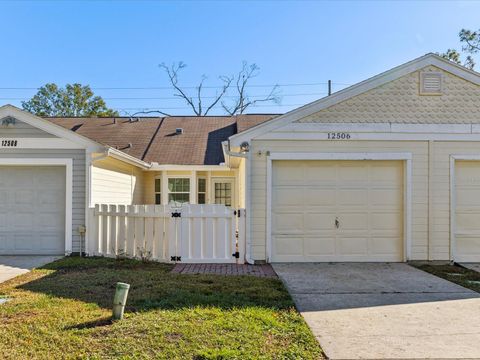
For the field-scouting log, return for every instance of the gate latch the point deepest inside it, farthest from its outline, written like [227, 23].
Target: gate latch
[175, 258]
[236, 255]
[176, 214]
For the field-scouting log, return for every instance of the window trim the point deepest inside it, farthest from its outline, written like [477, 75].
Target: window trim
[189, 177]
[231, 180]
[202, 192]
[158, 177]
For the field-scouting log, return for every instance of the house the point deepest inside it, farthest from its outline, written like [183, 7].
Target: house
[385, 170]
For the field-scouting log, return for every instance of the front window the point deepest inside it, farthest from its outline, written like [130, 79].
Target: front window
[158, 191]
[178, 190]
[202, 191]
[223, 193]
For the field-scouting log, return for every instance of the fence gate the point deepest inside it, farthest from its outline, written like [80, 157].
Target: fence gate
[190, 234]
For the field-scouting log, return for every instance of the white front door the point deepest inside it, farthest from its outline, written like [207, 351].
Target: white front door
[32, 210]
[337, 211]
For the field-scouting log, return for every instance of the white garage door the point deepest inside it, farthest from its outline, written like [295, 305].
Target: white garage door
[337, 211]
[467, 211]
[32, 210]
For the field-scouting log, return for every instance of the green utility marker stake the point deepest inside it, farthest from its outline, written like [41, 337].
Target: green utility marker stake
[120, 300]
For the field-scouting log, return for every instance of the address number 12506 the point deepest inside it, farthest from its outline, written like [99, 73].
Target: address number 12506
[338, 136]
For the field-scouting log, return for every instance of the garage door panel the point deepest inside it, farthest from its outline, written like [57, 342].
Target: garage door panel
[391, 221]
[316, 197]
[468, 245]
[288, 196]
[467, 211]
[385, 172]
[385, 197]
[320, 245]
[353, 221]
[315, 174]
[365, 196]
[352, 245]
[288, 245]
[352, 197]
[32, 208]
[352, 172]
[468, 197]
[289, 175]
[288, 223]
[468, 222]
[386, 245]
[317, 221]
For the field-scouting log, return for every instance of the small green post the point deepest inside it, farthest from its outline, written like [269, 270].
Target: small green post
[120, 300]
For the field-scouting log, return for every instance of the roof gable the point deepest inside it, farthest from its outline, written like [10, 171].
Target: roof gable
[400, 101]
[27, 120]
[308, 111]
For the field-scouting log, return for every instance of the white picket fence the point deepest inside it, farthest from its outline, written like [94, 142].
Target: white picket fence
[190, 234]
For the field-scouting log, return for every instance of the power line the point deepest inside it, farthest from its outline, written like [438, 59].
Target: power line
[178, 98]
[184, 87]
[186, 108]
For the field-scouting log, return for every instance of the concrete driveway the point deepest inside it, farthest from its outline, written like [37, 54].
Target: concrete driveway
[11, 266]
[384, 311]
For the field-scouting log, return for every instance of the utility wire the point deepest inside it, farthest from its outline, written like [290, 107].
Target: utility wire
[177, 98]
[184, 87]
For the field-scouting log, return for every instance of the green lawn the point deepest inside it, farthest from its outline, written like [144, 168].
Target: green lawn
[63, 311]
[454, 273]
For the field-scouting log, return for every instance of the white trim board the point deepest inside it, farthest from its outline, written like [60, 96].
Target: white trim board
[354, 90]
[68, 163]
[453, 202]
[48, 126]
[372, 137]
[406, 157]
[40, 143]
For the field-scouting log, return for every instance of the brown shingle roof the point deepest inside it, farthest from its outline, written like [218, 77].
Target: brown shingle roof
[153, 139]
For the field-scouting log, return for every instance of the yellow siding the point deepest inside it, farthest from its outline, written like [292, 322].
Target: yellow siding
[399, 101]
[114, 182]
[149, 182]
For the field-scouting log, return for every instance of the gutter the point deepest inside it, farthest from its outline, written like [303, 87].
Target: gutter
[227, 153]
[157, 167]
[120, 155]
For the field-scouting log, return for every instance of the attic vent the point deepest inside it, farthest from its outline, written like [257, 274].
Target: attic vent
[430, 83]
[178, 131]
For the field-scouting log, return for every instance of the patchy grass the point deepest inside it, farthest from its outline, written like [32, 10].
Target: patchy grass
[454, 273]
[63, 311]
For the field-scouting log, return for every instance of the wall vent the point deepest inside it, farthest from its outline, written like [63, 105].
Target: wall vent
[430, 83]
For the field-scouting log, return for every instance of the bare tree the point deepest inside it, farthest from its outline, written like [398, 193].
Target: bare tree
[197, 102]
[242, 101]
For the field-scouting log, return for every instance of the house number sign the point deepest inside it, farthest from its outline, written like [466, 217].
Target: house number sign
[338, 136]
[9, 143]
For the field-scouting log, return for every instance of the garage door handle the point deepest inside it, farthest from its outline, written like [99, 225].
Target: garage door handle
[337, 223]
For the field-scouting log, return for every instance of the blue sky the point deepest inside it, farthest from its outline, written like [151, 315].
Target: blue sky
[120, 44]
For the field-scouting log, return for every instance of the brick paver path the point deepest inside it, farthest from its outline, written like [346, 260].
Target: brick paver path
[225, 269]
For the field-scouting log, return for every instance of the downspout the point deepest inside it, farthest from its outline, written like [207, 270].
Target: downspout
[227, 153]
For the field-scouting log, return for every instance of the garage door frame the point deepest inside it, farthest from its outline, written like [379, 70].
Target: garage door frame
[405, 157]
[68, 164]
[453, 201]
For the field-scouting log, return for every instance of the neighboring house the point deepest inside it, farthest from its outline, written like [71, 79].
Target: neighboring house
[385, 170]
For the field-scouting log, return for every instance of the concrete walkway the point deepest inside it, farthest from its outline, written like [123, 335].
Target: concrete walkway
[384, 311]
[472, 266]
[11, 266]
